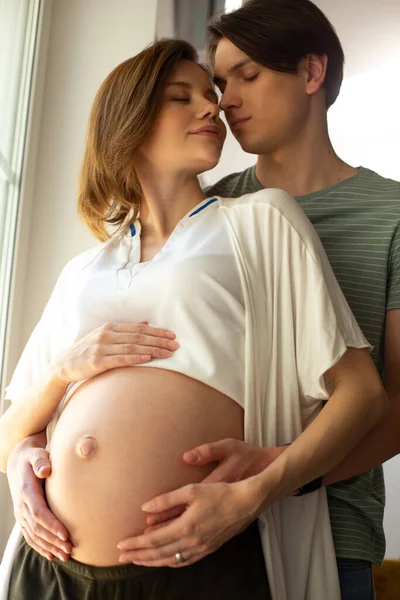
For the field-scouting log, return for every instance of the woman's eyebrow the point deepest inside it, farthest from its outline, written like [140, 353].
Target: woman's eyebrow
[181, 83]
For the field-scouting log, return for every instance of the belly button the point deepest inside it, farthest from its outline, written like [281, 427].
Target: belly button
[86, 447]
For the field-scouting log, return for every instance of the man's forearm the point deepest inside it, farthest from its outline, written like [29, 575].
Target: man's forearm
[378, 446]
[37, 440]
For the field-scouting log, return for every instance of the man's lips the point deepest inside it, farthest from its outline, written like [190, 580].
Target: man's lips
[237, 123]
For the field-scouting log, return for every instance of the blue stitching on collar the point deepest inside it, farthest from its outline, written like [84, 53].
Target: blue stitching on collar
[133, 228]
[202, 207]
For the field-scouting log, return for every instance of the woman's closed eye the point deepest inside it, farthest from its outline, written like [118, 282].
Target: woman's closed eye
[180, 99]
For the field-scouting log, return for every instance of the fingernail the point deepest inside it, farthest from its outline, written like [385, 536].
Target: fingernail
[145, 357]
[170, 335]
[173, 345]
[42, 469]
[62, 536]
[165, 353]
[192, 455]
[121, 546]
[147, 506]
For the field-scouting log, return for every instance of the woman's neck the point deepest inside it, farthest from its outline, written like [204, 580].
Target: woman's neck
[166, 199]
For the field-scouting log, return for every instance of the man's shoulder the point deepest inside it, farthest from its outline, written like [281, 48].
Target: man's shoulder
[373, 184]
[233, 185]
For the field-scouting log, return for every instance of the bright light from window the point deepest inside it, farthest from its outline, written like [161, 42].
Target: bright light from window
[232, 5]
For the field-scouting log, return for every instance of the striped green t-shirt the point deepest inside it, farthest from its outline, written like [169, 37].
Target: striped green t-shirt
[358, 222]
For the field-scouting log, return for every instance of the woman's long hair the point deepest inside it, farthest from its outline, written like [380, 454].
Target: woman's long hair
[122, 115]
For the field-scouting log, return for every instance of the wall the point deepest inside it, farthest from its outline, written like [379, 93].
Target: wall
[85, 40]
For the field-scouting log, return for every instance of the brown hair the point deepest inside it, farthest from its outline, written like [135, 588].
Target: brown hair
[122, 115]
[278, 34]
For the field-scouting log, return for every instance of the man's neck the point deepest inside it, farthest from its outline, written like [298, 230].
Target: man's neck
[308, 168]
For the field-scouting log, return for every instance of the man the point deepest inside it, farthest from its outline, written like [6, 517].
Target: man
[279, 66]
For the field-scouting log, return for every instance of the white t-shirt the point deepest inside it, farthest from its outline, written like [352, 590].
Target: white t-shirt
[246, 286]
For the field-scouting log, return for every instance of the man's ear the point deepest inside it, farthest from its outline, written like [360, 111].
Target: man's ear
[315, 66]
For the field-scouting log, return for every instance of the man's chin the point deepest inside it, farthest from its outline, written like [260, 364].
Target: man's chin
[249, 147]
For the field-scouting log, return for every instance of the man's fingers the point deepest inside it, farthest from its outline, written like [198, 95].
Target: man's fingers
[155, 527]
[32, 544]
[39, 460]
[39, 512]
[44, 537]
[182, 496]
[44, 548]
[166, 515]
[212, 452]
[220, 475]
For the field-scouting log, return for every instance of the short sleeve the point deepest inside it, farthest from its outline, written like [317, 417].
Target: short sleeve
[44, 343]
[325, 324]
[393, 286]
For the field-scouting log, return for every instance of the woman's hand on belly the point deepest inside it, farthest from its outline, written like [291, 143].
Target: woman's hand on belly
[215, 512]
[113, 345]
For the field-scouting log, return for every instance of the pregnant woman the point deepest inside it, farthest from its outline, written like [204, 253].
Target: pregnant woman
[264, 335]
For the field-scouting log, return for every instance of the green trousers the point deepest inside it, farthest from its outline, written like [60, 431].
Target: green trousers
[234, 572]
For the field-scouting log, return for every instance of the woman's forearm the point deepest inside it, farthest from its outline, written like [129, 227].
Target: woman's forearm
[30, 413]
[357, 404]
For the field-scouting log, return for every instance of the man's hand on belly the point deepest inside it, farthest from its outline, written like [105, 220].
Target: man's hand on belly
[27, 466]
[236, 460]
[215, 512]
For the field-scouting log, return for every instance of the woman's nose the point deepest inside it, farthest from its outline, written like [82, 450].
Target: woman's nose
[210, 109]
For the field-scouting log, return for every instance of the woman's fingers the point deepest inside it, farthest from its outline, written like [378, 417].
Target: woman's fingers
[136, 349]
[114, 345]
[140, 328]
[134, 340]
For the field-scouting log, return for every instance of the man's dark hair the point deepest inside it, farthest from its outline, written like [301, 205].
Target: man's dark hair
[278, 34]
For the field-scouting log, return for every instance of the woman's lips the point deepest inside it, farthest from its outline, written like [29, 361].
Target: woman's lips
[211, 134]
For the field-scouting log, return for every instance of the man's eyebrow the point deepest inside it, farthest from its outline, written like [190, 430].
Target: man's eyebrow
[242, 63]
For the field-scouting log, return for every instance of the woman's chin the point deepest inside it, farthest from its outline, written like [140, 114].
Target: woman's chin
[207, 164]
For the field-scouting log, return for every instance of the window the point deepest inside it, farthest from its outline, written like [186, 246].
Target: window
[18, 33]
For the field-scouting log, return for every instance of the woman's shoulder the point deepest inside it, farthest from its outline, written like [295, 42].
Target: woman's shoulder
[269, 198]
[79, 262]
[275, 207]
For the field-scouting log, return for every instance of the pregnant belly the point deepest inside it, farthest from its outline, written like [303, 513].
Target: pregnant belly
[119, 442]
